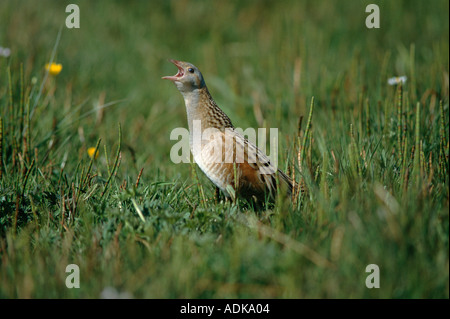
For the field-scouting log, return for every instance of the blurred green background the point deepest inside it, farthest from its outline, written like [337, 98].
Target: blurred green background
[271, 54]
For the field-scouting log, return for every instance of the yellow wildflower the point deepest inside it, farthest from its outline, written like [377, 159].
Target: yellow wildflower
[53, 68]
[91, 151]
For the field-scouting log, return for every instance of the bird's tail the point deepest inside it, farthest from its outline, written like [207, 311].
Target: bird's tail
[293, 188]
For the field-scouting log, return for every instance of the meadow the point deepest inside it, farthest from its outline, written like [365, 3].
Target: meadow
[85, 170]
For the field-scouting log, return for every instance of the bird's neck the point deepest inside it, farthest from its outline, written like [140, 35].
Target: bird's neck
[200, 106]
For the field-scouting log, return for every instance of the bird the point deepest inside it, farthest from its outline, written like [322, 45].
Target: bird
[235, 165]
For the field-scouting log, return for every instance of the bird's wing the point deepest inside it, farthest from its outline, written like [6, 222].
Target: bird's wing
[256, 166]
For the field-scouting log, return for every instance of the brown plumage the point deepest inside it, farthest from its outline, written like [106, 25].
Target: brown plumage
[223, 154]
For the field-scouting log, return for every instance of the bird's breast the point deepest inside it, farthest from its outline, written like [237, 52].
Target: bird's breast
[212, 155]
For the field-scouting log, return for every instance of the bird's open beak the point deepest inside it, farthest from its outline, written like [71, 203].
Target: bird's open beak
[178, 75]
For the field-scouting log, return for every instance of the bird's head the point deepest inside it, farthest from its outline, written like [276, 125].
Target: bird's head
[188, 77]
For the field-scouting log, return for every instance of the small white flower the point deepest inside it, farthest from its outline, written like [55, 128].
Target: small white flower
[397, 80]
[113, 293]
[5, 52]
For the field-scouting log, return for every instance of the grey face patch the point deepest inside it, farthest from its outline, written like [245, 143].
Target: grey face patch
[188, 78]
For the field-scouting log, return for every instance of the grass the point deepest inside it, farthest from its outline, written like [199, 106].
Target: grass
[374, 157]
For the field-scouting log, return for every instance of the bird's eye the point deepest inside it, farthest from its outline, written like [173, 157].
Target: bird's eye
[191, 70]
